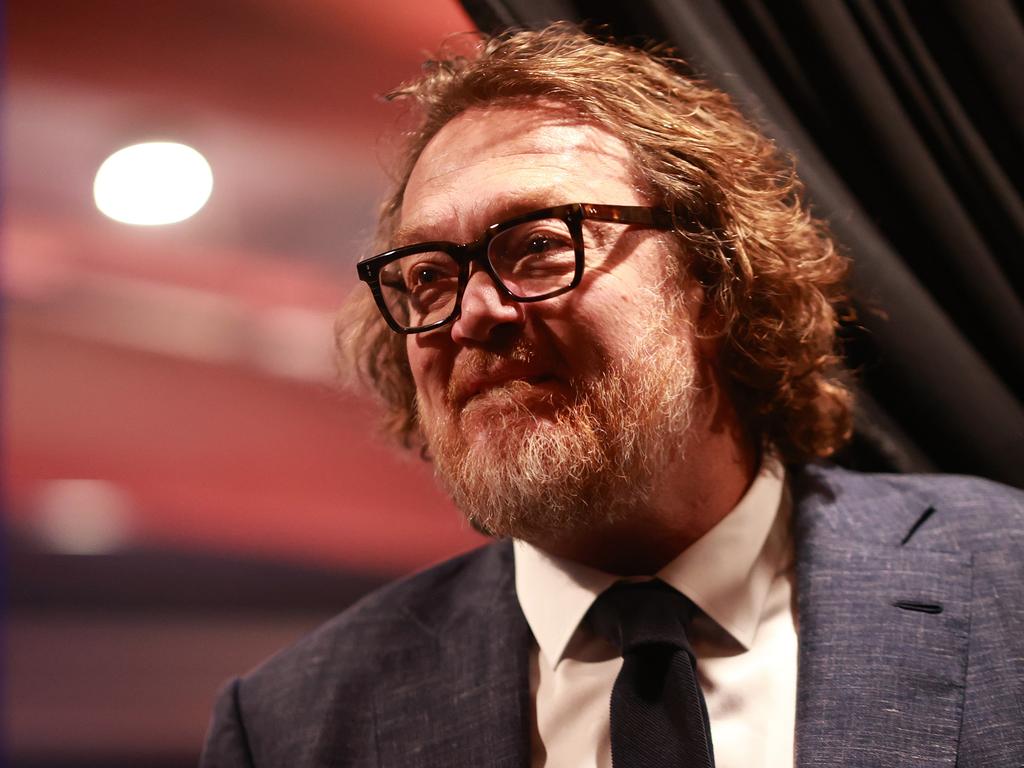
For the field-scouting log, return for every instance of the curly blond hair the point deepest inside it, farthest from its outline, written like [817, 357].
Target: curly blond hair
[771, 274]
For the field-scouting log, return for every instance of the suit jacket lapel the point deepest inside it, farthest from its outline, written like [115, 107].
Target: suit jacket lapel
[464, 697]
[883, 630]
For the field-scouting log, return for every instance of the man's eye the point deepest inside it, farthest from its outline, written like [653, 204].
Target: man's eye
[423, 276]
[545, 240]
[539, 244]
[427, 273]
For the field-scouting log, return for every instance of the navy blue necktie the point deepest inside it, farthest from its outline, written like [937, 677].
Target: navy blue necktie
[658, 715]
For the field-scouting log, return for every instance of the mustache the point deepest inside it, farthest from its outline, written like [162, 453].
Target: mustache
[478, 364]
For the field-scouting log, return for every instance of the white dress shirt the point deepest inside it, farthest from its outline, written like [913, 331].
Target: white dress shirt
[740, 575]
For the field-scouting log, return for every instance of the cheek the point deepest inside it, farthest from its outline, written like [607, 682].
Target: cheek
[607, 324]
[580, 340]
[425, 364]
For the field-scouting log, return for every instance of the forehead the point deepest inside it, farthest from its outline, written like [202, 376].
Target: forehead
[494, 162]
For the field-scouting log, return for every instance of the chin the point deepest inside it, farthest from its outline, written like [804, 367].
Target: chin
[516, 406]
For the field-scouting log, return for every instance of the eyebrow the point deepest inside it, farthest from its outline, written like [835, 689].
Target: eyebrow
[498, 208]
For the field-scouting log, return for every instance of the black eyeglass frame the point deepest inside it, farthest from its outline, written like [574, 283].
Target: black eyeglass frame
[464, 254]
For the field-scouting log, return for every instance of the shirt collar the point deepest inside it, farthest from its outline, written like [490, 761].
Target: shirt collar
[727, 572]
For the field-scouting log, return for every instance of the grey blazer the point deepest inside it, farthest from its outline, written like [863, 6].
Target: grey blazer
[911, 637]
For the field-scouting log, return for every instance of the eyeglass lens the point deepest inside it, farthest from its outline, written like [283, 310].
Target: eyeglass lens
[531, 259]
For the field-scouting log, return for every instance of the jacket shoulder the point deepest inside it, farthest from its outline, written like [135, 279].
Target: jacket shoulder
[314, 695]
[422, 604]
[953, 512]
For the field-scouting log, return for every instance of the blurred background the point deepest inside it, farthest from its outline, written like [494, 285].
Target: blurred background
[186, 488]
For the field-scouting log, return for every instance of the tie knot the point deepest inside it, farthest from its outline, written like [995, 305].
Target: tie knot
[633, 615]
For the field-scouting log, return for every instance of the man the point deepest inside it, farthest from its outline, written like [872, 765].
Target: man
[604, 312]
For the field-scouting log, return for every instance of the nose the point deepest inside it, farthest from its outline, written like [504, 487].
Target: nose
[484, 310]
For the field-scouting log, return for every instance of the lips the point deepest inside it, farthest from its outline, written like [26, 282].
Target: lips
[467, 388]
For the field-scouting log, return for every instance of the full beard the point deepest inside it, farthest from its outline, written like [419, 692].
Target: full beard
[525, 464]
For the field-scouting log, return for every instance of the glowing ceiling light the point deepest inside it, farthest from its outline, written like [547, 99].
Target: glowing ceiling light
[158, 182]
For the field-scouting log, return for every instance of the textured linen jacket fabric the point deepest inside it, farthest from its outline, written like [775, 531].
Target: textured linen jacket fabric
[910, 595]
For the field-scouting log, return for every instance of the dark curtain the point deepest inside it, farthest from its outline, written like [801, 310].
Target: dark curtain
[907, 121]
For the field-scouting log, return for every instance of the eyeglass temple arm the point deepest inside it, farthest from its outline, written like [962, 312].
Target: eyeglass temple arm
[629, 214]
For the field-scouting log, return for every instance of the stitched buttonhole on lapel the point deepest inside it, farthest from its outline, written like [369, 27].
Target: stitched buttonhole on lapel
[913, 605]
[920, 521]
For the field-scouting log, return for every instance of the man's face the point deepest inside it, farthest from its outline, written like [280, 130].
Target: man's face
[548, 416]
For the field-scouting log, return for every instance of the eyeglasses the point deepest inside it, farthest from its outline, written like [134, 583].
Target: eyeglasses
[532, 257]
